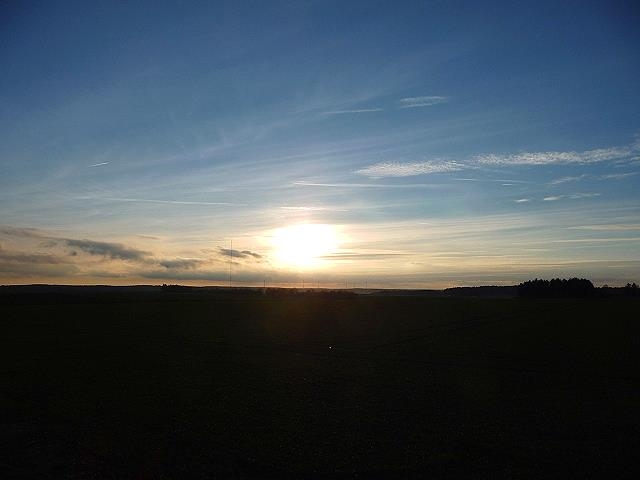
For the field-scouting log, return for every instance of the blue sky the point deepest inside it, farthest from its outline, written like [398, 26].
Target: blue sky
[439, 143]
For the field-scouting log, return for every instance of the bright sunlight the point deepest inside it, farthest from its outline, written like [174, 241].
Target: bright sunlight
[304, 245]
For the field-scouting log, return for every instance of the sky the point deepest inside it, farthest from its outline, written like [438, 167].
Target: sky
[383, 144]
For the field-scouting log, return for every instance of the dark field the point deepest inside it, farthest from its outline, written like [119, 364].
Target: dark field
[235, 385]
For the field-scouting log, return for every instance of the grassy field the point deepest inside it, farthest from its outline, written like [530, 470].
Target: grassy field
[301, 386]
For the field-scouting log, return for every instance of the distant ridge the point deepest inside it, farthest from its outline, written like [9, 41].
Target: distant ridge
[556, 288]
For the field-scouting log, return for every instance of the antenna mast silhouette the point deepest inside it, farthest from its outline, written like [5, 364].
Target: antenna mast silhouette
[230, 260]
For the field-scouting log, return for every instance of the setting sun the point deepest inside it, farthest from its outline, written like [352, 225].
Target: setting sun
[304, 245]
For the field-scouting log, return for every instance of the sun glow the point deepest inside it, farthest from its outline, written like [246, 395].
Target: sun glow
[304, 245]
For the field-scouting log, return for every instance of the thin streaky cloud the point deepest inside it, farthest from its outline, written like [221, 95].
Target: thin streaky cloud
[99, 164]
[499, 180]
[314, 209]
[365, 185]
[618, 176]
[610, 176]
[574, 196]
[583, 195]
[170, 202]
[361, 110]
[560, 181]
[612, 153]
[522, 200]
[398, 169]
[597, 240]
[608, 227]
[423, 101]
[362, 256]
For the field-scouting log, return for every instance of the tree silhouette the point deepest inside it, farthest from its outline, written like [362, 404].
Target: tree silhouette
[632, 290]
[557, 288]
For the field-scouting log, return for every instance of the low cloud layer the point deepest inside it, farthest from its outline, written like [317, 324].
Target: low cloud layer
[180, 263]
[106, 249]
[17, 263]
[32, 253]
[7, 257]
[227, 252]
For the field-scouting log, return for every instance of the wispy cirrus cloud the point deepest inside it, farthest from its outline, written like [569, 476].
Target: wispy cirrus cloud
[573, 196]
[576, 196]
[313, 209]
[554, 157]
[582, 195]
[409, 169]
[366, 185]
[560, 181]
[585, 176]
[166, 202]
[509, 182]
[609, 227]
[618, 176]
[422, 101]
[407, 102]
[406, 169]
[522, 200]
[598, 240]
[348, 256]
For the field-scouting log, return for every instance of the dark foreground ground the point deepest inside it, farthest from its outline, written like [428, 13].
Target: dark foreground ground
[171, 385]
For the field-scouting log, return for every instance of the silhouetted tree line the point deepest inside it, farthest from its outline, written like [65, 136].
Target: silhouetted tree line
[632, 290]
[573, 287]
[176, 288]
[557, 288]
[629, 290]
[319, 293]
